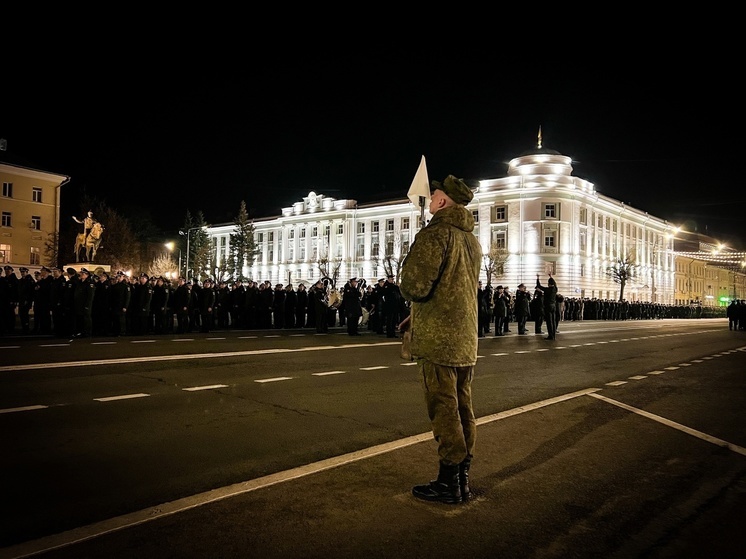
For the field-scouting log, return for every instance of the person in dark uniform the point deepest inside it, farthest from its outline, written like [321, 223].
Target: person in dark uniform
[159, 306]
[182, 299]
[352, 307]
[301, 304]
[317, 297]
[522, 309]
[43, 302]
[26, 290]
[537, 310]
[119, 301]
[392, 304]
[206, 306]
[550, 306]
[56, 293]
[83, 297]
[141, 300]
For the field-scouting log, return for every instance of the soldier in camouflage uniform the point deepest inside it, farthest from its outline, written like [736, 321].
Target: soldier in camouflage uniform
[439, 277]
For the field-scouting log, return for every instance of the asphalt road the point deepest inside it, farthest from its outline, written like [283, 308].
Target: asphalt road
[615, 440]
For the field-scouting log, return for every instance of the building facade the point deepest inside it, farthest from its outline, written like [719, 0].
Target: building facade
[540, 216]
[29, 214]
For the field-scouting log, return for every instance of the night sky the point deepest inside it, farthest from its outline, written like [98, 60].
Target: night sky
[173, 132]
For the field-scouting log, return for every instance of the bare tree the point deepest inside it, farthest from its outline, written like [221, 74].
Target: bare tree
[623, 270]
[494, 263]
[242, 249]
[163, 265]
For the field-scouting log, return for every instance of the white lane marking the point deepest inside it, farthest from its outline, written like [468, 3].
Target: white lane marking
[328, 373]
[499, 354]
[522, 351]
[115, 524]
[679, 426]
[685, 364]
[272, 336]
[656, 372]
[54, 345]
[144, 341]
[296, 335]
[128, 360]
[273, 379]
[15, 346]
[543, 349]
[696, 361]
[637, 377]
[373, 368]
[122, 397]
[103, 343]
[616, 383]
[246, 337]
[671, 368]
[183, 340]
[24, 408]
[214, 338]
[207, 387]
[560, 347]
[409, 363]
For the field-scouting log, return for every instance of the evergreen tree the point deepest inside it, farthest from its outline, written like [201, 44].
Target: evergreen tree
[242, 250]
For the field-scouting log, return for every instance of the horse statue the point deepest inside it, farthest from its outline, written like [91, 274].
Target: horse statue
[90, 244]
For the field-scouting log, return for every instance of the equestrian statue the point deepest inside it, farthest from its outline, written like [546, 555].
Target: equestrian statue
[89, 239]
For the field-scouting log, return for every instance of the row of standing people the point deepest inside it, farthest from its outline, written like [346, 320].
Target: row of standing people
[70, 303]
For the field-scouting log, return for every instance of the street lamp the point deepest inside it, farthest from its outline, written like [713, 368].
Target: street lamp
[171, 246]
[188, 234]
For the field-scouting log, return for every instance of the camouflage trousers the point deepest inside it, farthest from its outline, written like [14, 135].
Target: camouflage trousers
[448, 400]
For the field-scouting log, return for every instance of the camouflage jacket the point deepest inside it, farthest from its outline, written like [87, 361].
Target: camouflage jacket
[439, 276]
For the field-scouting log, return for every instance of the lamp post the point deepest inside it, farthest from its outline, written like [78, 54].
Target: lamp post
[188, 234]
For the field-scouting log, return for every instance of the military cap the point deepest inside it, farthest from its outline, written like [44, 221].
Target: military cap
[56, 269]
[456, 189]
[390, 276]
[381, 279]
[144, 275]
[120, 273]
[23, 269]
[84, 271]
[71, 270]
[353, 279]
[8, 268]
[45, 269]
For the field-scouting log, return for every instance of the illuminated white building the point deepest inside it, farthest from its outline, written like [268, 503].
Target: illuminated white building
[546, 219]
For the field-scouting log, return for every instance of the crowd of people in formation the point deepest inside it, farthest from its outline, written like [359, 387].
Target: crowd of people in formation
[68, 303]
[499, 307]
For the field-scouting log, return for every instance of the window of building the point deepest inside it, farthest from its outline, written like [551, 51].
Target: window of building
[7, 190]
[582, 270]
[303, 233]
[584, 216]
[550, 210]
[35, 257]
[36, 194]
[374, 249]
[223, 241]
[302, 255]
[389, 225]
[360, 248]
[583, 241]
[36, 222]
[5, 220]
[5, 253]
[500, 238]
[291, 233]
[314, 231]
[291, 253]
[360, 227]
[375, 226]
[614, 226]
[475, 215]
[499, 214]
[405, 224]
[340, 229]
[550, 239]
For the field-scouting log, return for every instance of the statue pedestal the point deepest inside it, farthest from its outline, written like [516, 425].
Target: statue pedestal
[92, 267]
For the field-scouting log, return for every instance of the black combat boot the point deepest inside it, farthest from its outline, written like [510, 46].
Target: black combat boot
[445, 489]
[463, 478]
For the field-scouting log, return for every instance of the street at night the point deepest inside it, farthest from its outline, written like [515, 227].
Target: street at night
[618, 439]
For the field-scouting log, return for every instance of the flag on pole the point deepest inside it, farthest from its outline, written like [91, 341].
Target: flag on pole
[420, 186]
